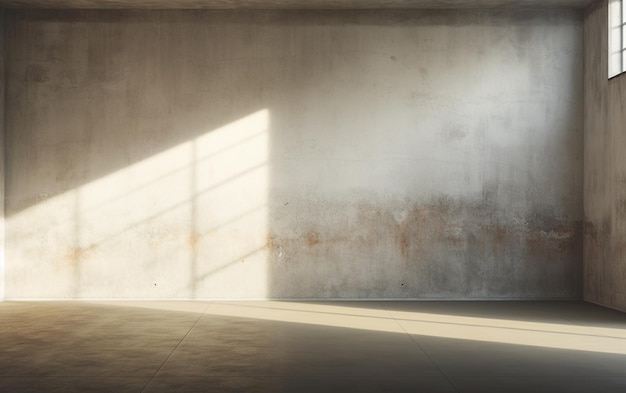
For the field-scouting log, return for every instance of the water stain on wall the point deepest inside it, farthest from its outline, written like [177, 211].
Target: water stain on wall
[444, 246]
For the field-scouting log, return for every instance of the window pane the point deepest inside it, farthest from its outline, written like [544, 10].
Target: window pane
[615, 13]
[615, 39]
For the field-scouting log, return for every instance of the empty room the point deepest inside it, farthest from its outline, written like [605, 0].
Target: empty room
[313, 196]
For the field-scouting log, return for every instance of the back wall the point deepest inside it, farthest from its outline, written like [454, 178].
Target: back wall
[294, 154]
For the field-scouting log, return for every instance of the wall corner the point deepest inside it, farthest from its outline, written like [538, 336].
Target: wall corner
[2, 148]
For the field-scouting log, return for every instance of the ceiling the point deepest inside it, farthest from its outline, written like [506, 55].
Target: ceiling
[291, 4]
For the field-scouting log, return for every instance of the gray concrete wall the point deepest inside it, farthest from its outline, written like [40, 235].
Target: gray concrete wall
[302, 154]
[2, 82]
[605, 169]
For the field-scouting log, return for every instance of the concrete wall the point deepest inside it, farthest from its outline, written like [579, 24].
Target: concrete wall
[605, 169]
[301, 154]
[2, 81]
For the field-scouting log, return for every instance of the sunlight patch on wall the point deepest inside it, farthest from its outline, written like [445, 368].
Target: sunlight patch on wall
[188, 222]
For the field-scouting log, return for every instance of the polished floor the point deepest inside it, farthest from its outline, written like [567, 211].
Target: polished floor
[311, 347]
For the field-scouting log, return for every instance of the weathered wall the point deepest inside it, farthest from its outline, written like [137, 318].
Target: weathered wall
[2, 80]
[317, 154]
[605, 169]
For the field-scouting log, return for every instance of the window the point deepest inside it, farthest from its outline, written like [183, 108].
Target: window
[617, 37]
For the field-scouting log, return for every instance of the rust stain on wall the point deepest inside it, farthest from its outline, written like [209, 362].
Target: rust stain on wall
[193, 239]
[270, 242]
[309, 240]
[403, 241]
[312, 238]
[74, 255]
[439, 228]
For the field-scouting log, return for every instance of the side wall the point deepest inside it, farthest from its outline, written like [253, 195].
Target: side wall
[605, 169]
[317, 154]
[2, 85]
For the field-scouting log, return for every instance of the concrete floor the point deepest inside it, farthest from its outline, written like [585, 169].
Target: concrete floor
[311, 347]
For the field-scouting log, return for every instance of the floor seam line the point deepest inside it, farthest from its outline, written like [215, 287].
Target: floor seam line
[171, 353]
[445, 376]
